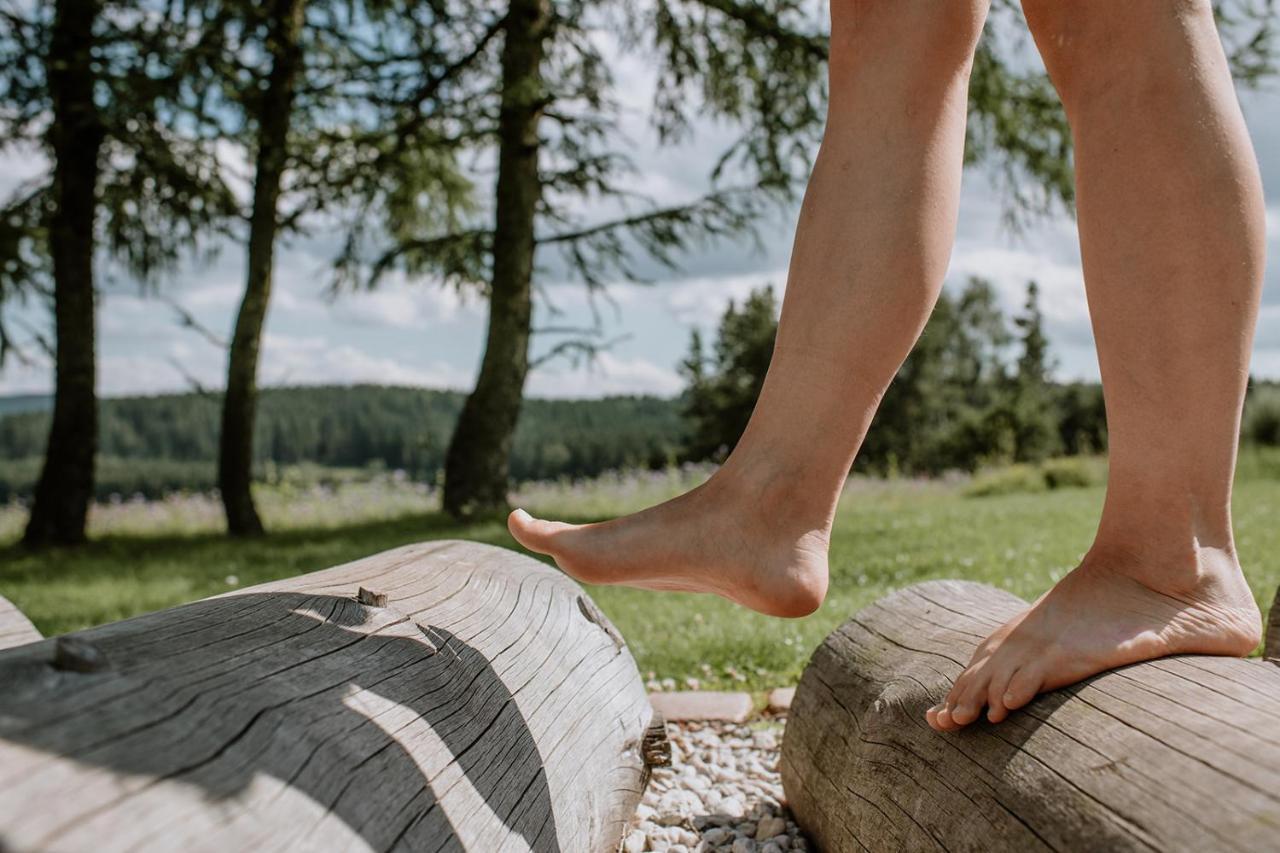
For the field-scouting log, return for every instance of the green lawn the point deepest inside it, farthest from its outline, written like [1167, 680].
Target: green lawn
[887, 535]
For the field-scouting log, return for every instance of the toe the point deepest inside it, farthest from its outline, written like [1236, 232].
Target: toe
[533, 533]
[968, 694]
[942, 719]
[997, 711]
[1023, 687]
[969, 705]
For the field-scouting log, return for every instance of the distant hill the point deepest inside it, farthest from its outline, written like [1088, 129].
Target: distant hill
[173, 438]
[18, 404]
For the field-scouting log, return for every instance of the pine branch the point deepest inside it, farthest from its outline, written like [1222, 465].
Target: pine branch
[759, 21]
[187, 320]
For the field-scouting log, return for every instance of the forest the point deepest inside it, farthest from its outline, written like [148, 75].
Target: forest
[976, 391]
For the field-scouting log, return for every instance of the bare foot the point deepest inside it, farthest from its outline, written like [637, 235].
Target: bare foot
[1097, 618]
[720, 538]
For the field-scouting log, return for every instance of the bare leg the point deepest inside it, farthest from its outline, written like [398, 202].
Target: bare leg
[1171, 229]
[871, 250]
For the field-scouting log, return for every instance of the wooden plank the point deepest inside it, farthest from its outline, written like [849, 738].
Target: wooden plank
[1176, 754]
[469, 703]
[15, 628]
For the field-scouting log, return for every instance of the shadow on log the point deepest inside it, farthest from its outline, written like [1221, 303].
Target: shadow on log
[1181, 753]
[460, 701]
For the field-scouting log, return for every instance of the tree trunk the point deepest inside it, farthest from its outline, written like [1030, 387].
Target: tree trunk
[1173, 754]
[445, 696]
[478, 461]
[62, 495]
[239, 407]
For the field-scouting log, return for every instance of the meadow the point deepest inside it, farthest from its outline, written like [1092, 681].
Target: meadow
[1016, 528]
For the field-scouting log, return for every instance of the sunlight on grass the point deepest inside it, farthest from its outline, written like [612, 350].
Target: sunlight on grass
[888, 533]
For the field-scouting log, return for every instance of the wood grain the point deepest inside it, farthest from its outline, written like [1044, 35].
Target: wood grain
[15, 628]
[1176, 754]
[1271, 649]
[479, 709]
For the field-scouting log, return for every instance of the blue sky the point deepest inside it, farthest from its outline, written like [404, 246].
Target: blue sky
[418, 333]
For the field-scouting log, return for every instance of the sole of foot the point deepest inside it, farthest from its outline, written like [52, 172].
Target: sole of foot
[1097, 619]
[694, 543]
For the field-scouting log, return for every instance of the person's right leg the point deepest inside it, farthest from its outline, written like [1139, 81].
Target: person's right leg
[1171, 234]
[871, 250]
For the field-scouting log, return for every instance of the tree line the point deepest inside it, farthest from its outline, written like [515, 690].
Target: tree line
[159, 444]
[368, 118]
[976, 390]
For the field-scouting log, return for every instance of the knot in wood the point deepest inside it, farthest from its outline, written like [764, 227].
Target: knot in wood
[71, 654]
[369, 598]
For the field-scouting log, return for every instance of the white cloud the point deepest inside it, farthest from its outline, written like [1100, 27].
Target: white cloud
[1061, 284]
[23, 378]
[1265, 363]
[19, 164]
[310, 360]
[398, 305]
[1268, 327]
[609, 374]
[701, 301]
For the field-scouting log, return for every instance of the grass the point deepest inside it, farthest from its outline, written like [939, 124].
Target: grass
[149, 555]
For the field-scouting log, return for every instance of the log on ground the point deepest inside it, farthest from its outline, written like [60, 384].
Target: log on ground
[469, 698]
[1181, 753]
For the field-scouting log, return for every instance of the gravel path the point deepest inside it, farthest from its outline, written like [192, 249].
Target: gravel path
[722, 793]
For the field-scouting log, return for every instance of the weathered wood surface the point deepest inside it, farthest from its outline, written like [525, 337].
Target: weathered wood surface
[1176, 754]
[1271, 647]
[15, 628]
[488, 706]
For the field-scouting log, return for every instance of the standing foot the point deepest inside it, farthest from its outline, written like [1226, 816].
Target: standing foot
[722, 537]
[1101, 616]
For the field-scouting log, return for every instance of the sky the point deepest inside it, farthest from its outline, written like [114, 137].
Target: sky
[419, 333]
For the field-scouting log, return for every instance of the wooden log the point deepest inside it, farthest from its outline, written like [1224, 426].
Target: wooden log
[1271, 646]
[15, 628]
[1175, 754]
[442, 696]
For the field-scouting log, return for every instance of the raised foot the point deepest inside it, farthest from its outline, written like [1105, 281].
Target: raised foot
[1097, 619]
[703, 541]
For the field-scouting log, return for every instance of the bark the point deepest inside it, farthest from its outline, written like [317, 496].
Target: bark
[478, 460]
[62, 495]
[235, 457]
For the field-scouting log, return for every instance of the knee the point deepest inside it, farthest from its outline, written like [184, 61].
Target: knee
[1093, 37]
[924, 32]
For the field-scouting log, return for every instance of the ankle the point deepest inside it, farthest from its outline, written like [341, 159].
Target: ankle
[775, 497]
[1176, 565]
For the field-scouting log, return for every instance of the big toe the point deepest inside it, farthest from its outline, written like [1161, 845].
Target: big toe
[534, 533]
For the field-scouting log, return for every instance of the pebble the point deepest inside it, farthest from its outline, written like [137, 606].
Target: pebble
[769, 827]
[722, 793]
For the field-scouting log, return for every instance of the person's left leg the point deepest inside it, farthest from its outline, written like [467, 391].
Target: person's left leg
[1171, 233]
[871, 250]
